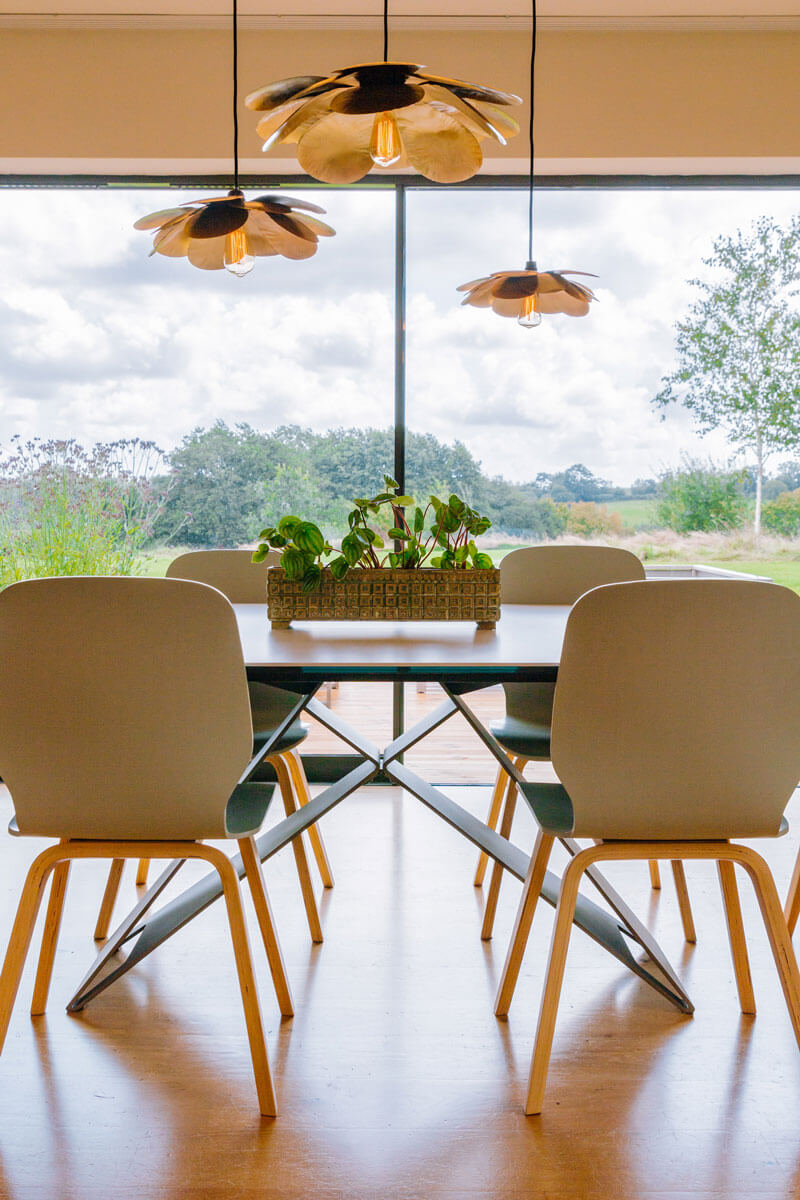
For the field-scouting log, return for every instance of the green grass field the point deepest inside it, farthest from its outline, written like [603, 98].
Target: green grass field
[635, 514]
[780, 570]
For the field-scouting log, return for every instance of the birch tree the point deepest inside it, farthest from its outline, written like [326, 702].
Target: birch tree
[738, 349]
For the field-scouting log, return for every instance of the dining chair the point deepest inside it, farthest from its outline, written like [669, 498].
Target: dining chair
[124, 730]
[234, 573]
[550, 575]
[674, 731]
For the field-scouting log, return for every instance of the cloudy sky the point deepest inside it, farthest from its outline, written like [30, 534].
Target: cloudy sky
[98, 341]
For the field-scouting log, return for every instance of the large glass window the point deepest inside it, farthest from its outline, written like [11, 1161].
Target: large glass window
[100, 343]
[573, 390]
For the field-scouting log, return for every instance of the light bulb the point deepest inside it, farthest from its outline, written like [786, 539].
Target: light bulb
[385, 146]
[530, 316]
[237, 257]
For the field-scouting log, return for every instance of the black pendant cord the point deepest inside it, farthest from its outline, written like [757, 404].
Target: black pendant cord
[235, 98]
[531, 267]
[385, 30]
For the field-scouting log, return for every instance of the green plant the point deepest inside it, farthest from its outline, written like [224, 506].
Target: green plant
[65, 510]
[448, 541]
[782, 515]
[700, 498]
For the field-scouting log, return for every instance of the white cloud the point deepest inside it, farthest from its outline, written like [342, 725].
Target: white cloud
[99, 342]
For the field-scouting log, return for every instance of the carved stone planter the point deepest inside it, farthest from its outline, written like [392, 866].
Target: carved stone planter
[387, 594]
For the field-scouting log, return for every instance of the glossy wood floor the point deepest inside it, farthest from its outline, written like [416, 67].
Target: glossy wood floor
[394, 1079]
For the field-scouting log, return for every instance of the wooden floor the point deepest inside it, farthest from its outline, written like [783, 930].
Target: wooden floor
[394, 1079]
[453, 751]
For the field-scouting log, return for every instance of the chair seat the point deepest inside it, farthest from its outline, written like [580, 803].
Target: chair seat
[522, 737]
[293, 736]
[269, 706]
[247, 807]
[552, 808]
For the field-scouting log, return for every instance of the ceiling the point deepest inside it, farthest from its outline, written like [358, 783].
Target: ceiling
[747, 14]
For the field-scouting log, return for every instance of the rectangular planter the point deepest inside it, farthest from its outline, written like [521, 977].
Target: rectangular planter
[385, 594]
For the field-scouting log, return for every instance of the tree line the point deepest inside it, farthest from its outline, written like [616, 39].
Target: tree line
[226, 483]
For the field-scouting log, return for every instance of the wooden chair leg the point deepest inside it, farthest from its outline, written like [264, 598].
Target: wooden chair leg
[109, 899]
[495, 806]
[777, 931]
[792, 909]
[298, 774]
[22, 932]
[492, 896]
[141, 872]
[52, 925]
[266, 924]
[733, 916]
[655, 875]
[522, 925]
[552, 990]
[247, 983]
[299, 849]
[684, 904]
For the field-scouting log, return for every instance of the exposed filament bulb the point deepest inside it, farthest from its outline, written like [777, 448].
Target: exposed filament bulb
[530, 316]
[237, 255]
[385, 146]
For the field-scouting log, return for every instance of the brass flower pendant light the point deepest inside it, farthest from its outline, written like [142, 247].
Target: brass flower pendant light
[383, 114]
[528, 294]
[229, 231]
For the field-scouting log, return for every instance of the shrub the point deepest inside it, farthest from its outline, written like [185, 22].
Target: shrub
[782, 515]
[68, 511]
[700, 497]
[587, 519]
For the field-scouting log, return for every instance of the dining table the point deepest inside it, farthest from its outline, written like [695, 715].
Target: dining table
[525, 647]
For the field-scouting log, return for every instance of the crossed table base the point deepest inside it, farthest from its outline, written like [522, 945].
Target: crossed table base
[618, 931]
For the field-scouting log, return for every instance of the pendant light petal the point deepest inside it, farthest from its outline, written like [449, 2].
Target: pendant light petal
[207, 253]
[172, 240]
[562, 302]
[470, 91]
[475, 121]
[293, 124]
[508, 308]
[438, 146]
[481, 295]
[163, 217]
[278, 204]
[274, 95]
[499, 119]
[336, 149]
[262, 247]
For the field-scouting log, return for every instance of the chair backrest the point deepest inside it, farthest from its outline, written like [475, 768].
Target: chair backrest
[556, 575]
[123, 709]
[560, 574]
[677, 709]
[232, 572]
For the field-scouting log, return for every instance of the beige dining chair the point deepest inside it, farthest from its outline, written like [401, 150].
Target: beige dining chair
[674, 731]
[124, 728]
[234, 573]
[550, 575]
